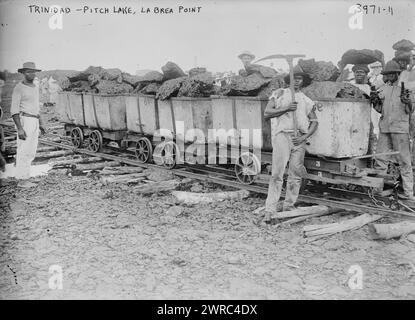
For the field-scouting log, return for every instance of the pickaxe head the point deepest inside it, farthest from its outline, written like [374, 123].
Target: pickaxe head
[288, 57]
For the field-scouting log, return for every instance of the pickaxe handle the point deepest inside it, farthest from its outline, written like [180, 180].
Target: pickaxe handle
[290, 64]
[289, 58]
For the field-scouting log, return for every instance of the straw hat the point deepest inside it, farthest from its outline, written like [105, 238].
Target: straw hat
[28, 66]
[246, 53]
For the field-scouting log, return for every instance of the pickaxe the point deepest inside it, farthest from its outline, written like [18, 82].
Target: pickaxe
[289, 58]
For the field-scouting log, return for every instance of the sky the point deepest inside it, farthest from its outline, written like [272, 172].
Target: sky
[212, 38]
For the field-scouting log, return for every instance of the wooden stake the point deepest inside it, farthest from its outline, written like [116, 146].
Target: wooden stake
[69, 161]
[53, 154]
[120, 170]
[303, 218]
[301, 211]
[125, 178]
[391, 230]
[333, 228]
[97, 165]
[197, 198]
[156, 187]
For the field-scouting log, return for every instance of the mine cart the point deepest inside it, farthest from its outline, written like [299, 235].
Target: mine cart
[228, 130]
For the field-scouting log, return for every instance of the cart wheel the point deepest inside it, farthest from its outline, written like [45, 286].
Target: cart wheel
[247, 167]
[77, 137]
[143, 150]
[95, 141]
[165, 154]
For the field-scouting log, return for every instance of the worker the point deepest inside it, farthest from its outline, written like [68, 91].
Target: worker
[360, 72]
[25, 113]
[2, 140]
[246, 58]
[2, 145]
[396, 110]
[285, 146]
[375, 76]
[361, 81]
[407, 77]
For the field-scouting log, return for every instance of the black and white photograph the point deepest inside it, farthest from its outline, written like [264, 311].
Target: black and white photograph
[202, 150]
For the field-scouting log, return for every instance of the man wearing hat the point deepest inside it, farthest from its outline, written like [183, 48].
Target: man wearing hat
[25, 113]
[246, 57]
[404, 55]
[285, 146]
[394, 126]
[360, 72]
[375, 76]
[360, 81]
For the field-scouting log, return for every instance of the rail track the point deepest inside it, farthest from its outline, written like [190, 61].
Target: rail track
[315, 194]
[332, 197]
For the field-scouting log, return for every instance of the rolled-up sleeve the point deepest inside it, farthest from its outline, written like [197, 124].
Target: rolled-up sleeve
[16, 97]
[278, 96]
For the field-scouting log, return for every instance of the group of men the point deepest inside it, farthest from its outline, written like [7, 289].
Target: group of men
[388, 100]
[392, 125]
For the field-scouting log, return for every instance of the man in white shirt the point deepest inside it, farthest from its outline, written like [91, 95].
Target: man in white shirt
[375, 76]
[25, 113]
[285, 146]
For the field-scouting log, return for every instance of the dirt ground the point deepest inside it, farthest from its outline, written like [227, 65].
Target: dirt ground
[114, 244]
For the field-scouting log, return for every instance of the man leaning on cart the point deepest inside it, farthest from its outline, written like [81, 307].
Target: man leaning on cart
[25, 113]
[285, 146]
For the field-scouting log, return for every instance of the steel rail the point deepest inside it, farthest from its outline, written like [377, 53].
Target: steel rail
[215, 178]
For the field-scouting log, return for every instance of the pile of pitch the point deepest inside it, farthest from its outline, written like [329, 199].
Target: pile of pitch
[332, 90]
[363, 56]
[319, 70]
[99, 80]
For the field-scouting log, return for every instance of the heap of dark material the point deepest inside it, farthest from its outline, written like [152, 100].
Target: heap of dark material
[364, 56]
[172, 71]
[201, 85]
[245, 86]
[111, 87]
[266, 72]
[331, 90]
[319, 70]
[405, 45]
[151, 88]
[170, 88]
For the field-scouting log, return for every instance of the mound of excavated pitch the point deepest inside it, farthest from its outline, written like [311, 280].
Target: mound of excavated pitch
[245, 86]
[364, 56]
[170, 88]
[172, 71]
[201, 85]
[151, 88]
[332, 90]
[111, 87]
[319, 70]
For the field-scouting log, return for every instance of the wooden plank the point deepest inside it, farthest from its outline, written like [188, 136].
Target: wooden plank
[319, 231]
[391, 230]
[300, 211]
[339, 179]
